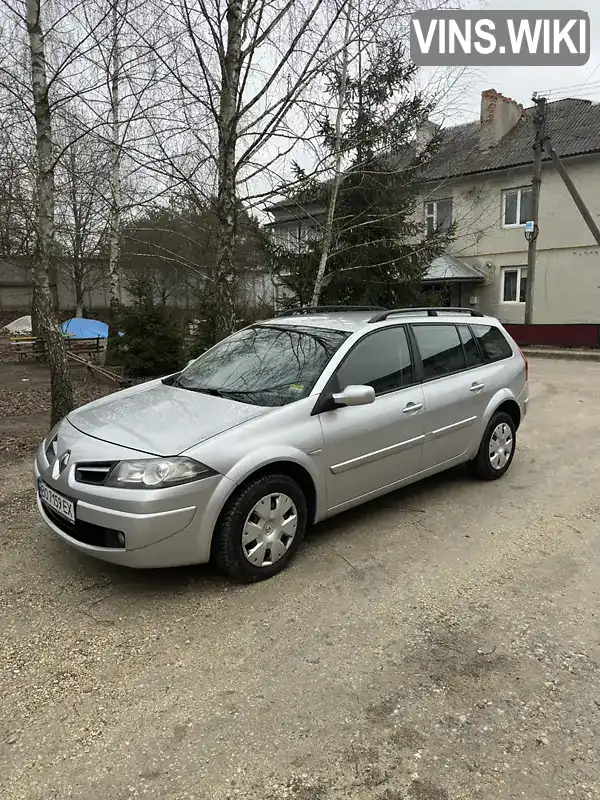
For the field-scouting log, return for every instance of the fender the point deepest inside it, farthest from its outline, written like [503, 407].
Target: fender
[260, 459]
[501, 396]
[243, 469]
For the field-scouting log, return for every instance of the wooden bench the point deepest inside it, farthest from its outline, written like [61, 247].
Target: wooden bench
[90, 347]
[28, 346]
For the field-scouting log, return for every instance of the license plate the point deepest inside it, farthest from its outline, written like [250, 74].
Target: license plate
[55, 501]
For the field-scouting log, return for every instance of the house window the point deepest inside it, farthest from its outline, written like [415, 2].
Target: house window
[307, 235]
[295, 238]
[516, 207]
[514, 284]
[283, 236]
[438, 215]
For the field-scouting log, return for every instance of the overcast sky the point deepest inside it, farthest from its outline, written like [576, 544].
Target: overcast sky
[520, 83]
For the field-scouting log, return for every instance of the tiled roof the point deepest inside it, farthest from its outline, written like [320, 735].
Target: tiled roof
[573, 125]
[447, 267]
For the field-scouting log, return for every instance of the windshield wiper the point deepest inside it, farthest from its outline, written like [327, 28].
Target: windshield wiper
[200, 389]
[225, 395]
[261, 390]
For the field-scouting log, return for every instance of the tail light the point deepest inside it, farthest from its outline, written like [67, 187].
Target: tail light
[524, 357]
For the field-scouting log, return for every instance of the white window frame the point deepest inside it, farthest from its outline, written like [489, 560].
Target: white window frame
[518, 190]
[434, 216]
[518, 269]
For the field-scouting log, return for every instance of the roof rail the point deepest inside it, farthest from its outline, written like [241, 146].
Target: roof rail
[431, 312]
[324, 309]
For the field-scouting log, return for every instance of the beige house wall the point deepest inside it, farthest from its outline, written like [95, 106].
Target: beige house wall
[567, 286]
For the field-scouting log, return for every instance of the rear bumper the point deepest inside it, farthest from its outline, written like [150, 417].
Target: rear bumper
[523, 401]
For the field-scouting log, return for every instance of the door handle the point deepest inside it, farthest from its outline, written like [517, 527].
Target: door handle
[412, 408]
[477, 387]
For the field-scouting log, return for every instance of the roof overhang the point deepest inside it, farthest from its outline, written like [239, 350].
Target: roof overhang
[447, 268]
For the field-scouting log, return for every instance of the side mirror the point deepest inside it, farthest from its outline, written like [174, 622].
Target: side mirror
[355, 396]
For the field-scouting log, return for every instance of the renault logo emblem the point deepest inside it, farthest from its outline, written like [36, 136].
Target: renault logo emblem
[64, 460]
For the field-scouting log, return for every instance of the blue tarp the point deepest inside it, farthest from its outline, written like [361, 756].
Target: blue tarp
[78, 328]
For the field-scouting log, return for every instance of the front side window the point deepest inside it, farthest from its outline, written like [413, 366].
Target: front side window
[381, 360]
[492, 342]
[514, 284]
[516, 209]
[438, 215]
[440, 348]
[264, 365]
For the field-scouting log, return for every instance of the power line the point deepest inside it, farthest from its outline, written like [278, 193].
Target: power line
[574, 88]
[592, 73]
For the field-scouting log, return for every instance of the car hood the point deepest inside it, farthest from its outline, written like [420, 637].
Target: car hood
[159, 419]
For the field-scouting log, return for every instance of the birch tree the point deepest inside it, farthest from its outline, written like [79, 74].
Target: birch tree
[115, 164]
[60, 380]
[337, 156]
[124, 107]
[364, 147]
[369, 240]
[241, 68]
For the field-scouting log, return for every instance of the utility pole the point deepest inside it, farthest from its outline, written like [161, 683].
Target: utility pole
[538, 152]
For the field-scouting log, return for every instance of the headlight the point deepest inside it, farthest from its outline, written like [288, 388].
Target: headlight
[52, 433]
[157, 473]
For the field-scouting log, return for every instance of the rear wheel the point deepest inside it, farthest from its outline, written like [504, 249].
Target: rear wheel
[261, 528]
[497, 448]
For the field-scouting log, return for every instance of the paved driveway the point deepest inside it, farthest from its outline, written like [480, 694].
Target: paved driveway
[441, 643]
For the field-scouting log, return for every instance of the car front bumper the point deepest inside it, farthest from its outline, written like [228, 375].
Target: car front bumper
[161, 527]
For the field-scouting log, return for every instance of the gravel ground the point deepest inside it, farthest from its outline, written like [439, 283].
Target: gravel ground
[438, 644]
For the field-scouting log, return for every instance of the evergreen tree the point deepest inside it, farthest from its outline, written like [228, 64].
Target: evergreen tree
[151, 344]
[380, 248]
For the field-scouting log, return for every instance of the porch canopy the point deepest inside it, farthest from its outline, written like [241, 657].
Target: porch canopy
[449, 269]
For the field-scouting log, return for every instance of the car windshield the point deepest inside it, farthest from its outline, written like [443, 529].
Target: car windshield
[264, 365]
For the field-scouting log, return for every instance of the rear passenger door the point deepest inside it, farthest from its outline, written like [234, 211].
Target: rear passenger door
[493, 349]
[456, 388]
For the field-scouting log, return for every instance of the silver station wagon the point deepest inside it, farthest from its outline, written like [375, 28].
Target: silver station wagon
[279, 426]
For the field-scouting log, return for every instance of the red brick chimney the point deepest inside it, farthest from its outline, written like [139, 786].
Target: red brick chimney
[499, 114]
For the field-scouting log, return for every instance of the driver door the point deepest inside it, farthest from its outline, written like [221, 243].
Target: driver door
[371, 448]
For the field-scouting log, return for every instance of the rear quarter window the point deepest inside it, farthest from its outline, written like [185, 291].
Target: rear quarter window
[493, 344]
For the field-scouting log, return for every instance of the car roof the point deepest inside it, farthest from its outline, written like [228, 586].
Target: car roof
[350, 321]
[333, 320]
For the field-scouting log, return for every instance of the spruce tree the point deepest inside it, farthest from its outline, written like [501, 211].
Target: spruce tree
[380, 246]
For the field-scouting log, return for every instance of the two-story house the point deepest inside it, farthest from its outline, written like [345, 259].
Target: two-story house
[481, 180]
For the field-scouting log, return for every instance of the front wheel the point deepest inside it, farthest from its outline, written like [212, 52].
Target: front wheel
[261, 528]
[497, 448]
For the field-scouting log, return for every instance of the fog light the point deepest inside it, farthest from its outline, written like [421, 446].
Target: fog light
[120, 539]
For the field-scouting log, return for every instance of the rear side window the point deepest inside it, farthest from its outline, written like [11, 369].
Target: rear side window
[492, 342]
[440, 348]
[472, 353]
[381, 360]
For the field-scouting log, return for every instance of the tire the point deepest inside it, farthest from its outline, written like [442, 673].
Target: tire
[234, 551]
[482, 465]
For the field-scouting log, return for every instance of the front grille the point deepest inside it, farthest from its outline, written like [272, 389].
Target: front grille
[94, 473]
[85, 532]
